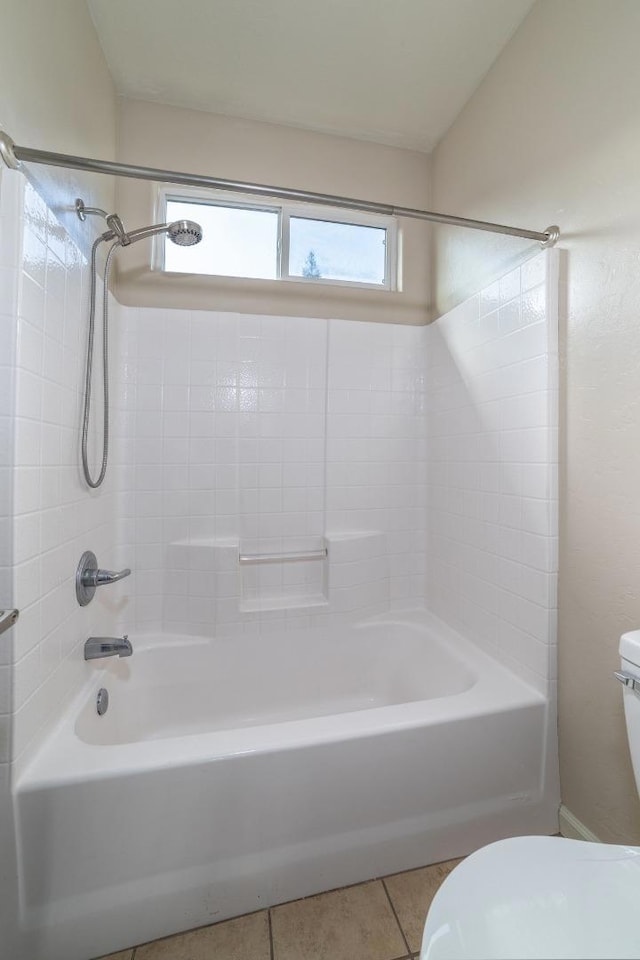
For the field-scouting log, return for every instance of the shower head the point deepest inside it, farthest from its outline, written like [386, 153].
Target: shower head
[185, 233]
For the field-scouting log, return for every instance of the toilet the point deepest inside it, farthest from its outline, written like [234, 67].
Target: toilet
[546, 897]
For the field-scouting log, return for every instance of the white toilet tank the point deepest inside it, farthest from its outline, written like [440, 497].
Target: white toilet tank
[630, 676]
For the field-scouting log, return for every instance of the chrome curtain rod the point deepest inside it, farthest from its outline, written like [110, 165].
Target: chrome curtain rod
[13, 155]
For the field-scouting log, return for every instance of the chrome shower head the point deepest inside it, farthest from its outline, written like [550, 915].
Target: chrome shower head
[185, 233]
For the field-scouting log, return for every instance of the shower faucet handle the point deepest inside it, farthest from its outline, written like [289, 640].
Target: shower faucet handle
[97, 578]
[89, 576]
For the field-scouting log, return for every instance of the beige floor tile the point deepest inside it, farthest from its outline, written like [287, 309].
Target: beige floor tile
[355, 923]
[411, 894]
[123, 955]
[245, 938]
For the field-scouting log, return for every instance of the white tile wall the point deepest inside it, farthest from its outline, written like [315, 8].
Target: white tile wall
[376, 445]
[10, 230]
[266, 434]
[492, 480]
[281, 431]
[56, 517]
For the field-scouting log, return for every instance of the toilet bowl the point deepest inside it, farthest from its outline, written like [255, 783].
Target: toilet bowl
[546, 897]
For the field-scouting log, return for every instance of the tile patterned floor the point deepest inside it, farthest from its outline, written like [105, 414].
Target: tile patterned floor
[378, 920]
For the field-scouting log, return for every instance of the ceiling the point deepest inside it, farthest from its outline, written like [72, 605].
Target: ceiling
[392, 71]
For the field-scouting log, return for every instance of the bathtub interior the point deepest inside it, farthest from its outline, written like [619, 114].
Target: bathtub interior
[179, 686]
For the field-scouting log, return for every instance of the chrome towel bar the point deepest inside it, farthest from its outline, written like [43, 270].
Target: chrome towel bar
[248, 558]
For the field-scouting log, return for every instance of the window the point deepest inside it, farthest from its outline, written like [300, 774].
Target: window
[279, 242]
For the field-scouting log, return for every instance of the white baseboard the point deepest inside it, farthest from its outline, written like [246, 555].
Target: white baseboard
[574, 829]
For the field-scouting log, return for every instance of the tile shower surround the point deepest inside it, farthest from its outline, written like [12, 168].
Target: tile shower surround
[56, 517]
[269, 433]
[419, 449]
[492, 400]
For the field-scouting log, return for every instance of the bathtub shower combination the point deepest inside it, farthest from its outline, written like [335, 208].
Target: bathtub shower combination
[337, 642]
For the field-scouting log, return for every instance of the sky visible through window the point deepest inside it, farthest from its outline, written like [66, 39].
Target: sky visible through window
[240, 242]
[341, 251]
[236, 242]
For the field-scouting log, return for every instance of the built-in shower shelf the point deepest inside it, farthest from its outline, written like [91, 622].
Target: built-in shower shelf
[265, 604]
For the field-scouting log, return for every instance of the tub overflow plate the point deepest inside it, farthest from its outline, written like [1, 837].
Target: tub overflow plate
[102, 701]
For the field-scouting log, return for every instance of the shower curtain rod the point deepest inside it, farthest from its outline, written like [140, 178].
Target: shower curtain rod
[13, 155]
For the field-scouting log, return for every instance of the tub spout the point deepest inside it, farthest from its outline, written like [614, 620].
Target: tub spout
[97, 647]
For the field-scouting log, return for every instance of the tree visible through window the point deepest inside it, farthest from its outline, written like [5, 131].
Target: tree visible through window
[311, 268]
[323, 249]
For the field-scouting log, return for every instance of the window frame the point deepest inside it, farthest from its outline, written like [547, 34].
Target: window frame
[286, 211]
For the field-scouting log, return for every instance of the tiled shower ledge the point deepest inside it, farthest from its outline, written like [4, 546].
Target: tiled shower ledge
[261, 605]
[378, 920]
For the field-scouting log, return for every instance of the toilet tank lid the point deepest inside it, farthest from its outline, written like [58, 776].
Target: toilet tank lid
[630, 646]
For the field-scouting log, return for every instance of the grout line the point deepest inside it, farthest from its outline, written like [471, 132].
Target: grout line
[406, 942]
[271, 953]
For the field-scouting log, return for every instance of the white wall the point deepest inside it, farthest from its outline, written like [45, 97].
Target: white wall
[553, 135]
[265, 434]
[56, 93]
[9, 241]
[492, 469]
[376, 448]
[9, 252]
[47, 516]
[56, 517]
[255, 152]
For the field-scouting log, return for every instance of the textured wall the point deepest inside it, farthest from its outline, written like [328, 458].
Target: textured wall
[56, 93]
[283, 156]
[553, 135]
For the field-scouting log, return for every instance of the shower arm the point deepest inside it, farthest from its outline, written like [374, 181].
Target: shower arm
[144, 232]
[13, 155]
[116, 227]
[82, 210]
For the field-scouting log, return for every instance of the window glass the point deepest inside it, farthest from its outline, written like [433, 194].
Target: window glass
[279, 242]
[327, 250]
[236, 242]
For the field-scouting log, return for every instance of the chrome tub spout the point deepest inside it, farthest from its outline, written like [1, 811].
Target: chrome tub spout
[97, 647]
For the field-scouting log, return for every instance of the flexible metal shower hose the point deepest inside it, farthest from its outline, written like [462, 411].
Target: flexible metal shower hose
[105, 365]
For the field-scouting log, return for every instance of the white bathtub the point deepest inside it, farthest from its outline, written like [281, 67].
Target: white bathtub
[231, 774]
